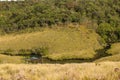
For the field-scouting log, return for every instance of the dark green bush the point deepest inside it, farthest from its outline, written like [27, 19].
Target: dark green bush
[40, 51]
[107, 32]
[9, 52]
[24, 52]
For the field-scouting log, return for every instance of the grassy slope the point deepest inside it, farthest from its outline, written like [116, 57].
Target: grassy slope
[63, 43]
[115, 53]
[109, 58]
[115, 49]
[84, 71]
[11, 59]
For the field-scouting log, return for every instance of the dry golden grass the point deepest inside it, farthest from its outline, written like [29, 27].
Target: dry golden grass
[84, 71]
[11, 59]
[59, 41]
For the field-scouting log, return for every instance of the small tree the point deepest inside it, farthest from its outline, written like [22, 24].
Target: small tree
[106, 31]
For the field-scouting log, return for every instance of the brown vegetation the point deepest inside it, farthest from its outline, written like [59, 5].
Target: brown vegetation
[84, 71]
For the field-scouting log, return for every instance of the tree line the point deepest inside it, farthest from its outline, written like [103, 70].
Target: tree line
[16, 16]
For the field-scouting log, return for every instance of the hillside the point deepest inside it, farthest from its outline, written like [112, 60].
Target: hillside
[43, 28]
[60, 43]
[101, 15]
[113, 51]
[60, 40]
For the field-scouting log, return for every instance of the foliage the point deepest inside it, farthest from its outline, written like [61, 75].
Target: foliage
[25, 52]
[16, 16]
[9, 52]
[106, 31]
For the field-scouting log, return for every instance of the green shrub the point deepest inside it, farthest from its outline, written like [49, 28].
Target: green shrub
[24, 52]
[9, 52]
[107, 32]
[40, 51]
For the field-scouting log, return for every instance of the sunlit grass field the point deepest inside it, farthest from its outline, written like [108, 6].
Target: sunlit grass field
[115, 49]
[83, 71]
[76, 42]
[115, 57]
[11, 59]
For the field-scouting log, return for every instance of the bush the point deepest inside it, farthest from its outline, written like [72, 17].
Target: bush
[107, 32]
[9, 52]
[24, 52]
[40, 51]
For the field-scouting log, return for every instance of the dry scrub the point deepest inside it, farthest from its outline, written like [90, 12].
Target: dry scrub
[84, 71]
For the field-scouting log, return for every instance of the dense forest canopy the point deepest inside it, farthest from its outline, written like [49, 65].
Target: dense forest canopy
[15, 16]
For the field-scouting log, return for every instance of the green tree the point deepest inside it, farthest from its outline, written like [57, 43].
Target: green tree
[106, 31]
